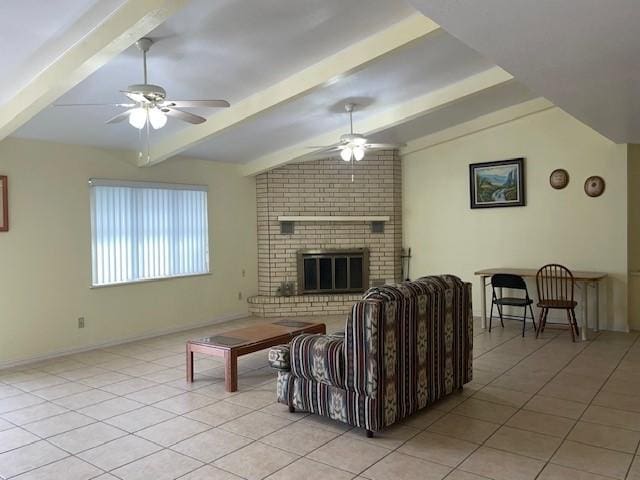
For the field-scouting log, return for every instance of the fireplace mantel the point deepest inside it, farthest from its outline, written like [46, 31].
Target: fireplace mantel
[334, 218]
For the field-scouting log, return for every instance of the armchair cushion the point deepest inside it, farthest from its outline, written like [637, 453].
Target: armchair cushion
[319, 358]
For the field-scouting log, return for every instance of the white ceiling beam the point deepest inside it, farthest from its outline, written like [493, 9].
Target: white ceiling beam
[391, 117]
[325, 72]
[483, 122]
[132, 20]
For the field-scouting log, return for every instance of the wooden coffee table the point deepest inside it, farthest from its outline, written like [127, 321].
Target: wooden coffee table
[235, 343]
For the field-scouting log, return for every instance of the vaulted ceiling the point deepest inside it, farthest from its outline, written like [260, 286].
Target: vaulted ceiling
[286, 66]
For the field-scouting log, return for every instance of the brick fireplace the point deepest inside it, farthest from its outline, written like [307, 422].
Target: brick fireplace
[313, 210]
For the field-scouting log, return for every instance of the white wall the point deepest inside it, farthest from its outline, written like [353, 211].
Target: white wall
[563, 226]
[45, 257]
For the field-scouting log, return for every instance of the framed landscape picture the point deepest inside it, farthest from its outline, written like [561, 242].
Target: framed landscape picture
[4, 207]
[497, 184]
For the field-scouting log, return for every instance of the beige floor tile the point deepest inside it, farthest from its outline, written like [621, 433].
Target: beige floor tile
[612, 417]
[524, 442]
[83, 399]
[462, 475]
[541, 423]
[348, 454]
[154, 394]
[501, 465]
[34, 413]
[404, 467]
[218, 413]
[162, 465]
[519, 383]
[63, 390]
[503, 396]
[280, 410]
[86, 437]
[634, 471]
[184, 403]
[555, 406]
[255, 425]
[110, 408]
[139, 419]
[119, 452]
[58, 424]
[299, 438]
[105, 379]
[464, 428]
[255, 461]
[423, 418]
[391, 437]
[574, 393]
[29, 457]
[209, 472]
[172, 431]
[19, 401]
[254, 399]
[605, 436]
[438, 448]
[4, 425]
[325, 423]
[487, 411]
[305, 468]
[15, 438]
[630, 403]
[592, 459]
[128, 386]
[69, 468]
[558, 472]
[211, 445]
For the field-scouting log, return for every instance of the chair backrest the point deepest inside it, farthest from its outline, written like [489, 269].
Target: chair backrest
[555, 282]
[507, 280]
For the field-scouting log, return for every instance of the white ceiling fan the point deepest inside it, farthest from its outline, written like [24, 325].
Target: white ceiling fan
[353, 146]
[150, 105]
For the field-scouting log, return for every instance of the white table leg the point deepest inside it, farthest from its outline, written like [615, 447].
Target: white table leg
[597, 325]
[585, 310]
[483, 302]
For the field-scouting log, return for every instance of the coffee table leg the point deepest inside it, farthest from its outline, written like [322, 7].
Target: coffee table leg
[189, 364]
[230, 371]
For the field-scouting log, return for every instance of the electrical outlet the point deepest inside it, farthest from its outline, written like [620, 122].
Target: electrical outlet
[239, 295]
[80, 322]
[244, 273]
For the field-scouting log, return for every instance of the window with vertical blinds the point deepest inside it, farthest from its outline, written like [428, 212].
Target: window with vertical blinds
[144, 231]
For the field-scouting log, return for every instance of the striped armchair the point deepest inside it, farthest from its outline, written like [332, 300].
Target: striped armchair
[404, 347]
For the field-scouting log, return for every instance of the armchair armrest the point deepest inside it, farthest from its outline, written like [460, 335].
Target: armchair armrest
[279, 358]
[319, 358]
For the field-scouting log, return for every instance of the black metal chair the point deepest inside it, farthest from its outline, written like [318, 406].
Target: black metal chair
[512, 282]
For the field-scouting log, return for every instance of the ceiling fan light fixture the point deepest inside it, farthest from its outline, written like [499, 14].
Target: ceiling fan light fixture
[138, 117]
[345, 154]
[358, 152]
[157, 118]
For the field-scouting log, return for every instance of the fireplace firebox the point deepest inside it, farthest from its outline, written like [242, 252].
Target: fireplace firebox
[333, 270]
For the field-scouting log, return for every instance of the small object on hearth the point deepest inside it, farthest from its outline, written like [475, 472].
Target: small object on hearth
[559, 178]
[286, 289]
[594, 186]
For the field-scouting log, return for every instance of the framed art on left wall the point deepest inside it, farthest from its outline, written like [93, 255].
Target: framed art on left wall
[4, 205]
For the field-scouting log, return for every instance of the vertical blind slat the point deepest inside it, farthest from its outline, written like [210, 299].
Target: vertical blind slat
[141, 233]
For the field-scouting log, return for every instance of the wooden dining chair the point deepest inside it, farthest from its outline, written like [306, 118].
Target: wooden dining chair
[511, 282]
[555, 284]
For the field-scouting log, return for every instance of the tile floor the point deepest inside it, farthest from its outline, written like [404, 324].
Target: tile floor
[537, 409]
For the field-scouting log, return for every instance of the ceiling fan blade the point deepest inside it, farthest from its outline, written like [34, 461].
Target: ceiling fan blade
[119, 117]
[184, 116]
[322, 147]
[136, 97]
[196, 103]
[389, 146]
[127, 105]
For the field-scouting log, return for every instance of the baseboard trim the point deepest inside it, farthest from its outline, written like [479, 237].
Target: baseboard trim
[120, 341]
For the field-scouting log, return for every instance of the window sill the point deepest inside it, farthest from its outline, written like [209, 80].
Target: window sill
[149, 280]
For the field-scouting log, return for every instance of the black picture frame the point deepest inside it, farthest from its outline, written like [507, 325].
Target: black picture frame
[497, 184]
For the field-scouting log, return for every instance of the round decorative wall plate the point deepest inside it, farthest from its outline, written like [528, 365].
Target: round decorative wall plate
[559, 178]
[594, 186]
